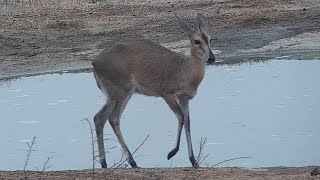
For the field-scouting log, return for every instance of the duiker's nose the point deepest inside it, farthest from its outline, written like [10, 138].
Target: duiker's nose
[211, 59]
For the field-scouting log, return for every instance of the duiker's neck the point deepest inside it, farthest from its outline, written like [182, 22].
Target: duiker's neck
[198, 66]
[198, 70]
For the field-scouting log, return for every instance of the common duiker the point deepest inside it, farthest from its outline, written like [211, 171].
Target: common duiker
[141, 66]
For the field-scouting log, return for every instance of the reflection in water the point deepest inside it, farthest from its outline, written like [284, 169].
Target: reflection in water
[268, 111]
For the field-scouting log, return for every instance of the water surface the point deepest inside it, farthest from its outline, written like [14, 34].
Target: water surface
[269, 111]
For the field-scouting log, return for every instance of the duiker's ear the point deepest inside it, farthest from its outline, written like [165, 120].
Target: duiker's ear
[184, 26]
[200, 22]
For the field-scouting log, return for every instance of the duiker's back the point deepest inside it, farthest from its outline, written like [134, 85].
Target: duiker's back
[151, 67]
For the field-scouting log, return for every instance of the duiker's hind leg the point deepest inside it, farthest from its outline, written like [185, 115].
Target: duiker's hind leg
[122, 99]
[100, 120]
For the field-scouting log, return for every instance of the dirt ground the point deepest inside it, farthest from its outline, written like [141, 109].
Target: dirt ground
[276, 173]
[44, 38]
[38, 38]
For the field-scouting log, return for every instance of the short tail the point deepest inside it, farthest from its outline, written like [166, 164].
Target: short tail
[95, 75]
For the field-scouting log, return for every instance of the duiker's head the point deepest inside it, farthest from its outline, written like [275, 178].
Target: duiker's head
[199, 39]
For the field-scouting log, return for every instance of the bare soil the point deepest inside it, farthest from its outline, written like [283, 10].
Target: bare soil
[275, 173]
[37, 39]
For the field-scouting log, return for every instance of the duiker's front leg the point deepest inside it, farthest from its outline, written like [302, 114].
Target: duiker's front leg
[174, 106]
[184, 104]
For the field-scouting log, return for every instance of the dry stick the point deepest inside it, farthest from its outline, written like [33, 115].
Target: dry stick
[93, 150]
[224, 162]
[221, 163]
[45, 167]
[230, 160]
[204, 158]
[116, 163]
[133, 151]
[106, 139]
[92, 144]
[203, 141]
[28, 156]
[132, 154]
[200, 158]
[171, 163]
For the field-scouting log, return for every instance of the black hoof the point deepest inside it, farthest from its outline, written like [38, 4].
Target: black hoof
[133, 164]
[172, 153]
[196, 165]
[134, 167]
[194, 162]
[103, 163]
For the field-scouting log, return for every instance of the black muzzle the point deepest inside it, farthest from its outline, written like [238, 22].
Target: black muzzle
[211, 59]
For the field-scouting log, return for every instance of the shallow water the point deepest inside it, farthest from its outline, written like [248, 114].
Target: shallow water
[269, 111]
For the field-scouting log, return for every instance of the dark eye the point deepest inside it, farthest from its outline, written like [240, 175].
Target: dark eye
[197, 42]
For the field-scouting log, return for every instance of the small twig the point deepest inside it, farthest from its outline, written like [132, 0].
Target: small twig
[220, 163]
[200, 158]
[93, 150]
[204, 158]
[133, 152]
[28, 156]
[140, 145]
[111, 148]
[171, 163]
[45, 167]
[116, 163]
[120, 164]
[229, 160]
[110, 139]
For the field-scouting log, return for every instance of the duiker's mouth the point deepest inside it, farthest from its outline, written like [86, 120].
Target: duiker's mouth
[211, 60]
